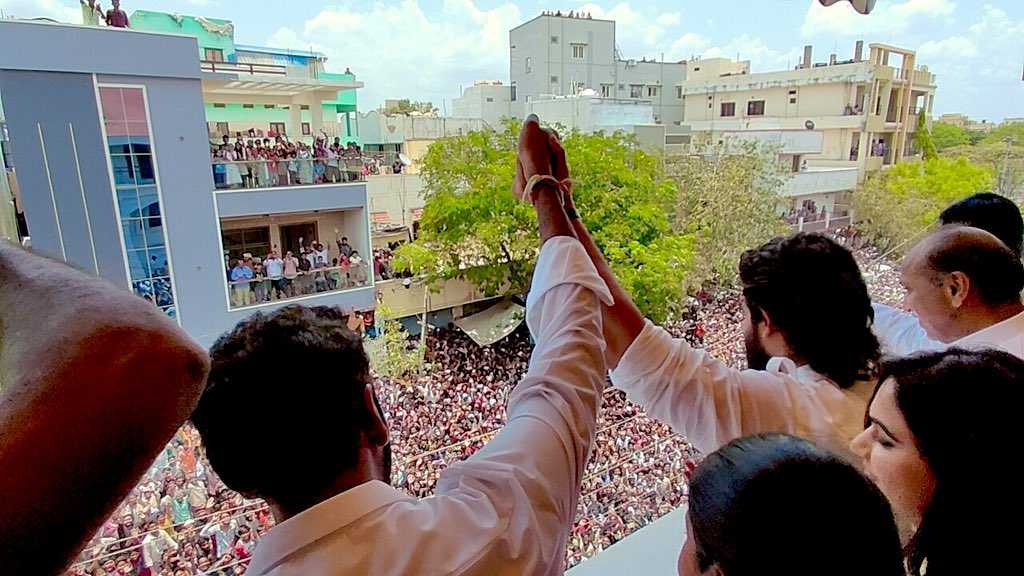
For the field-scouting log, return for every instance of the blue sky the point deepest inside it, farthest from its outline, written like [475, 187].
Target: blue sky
[428, 49]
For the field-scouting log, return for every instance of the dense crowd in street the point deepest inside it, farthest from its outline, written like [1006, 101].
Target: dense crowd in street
[180, 521]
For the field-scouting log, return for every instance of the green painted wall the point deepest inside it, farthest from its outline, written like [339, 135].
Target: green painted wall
[260, 115]
[163, 22]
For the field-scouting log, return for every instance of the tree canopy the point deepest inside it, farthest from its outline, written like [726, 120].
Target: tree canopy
[728, 198]
[949, 135]
[663, 231]
[896, 205]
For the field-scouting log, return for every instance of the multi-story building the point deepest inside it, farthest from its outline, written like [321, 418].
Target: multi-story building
[8, 192]
[963, 121]
[254, 78]
[556, 55]
[867, 110]
[112, 160]
[834, 121]
[489, 100]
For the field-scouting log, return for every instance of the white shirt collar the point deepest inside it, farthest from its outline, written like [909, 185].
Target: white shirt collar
[314, 523]
[997, 334]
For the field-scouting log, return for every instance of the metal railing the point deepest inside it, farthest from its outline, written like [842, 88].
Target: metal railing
[255, 291]
[240, 68]
[241, 174]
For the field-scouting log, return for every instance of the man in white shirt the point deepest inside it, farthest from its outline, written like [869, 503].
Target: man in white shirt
[964, 286]
[809, 346]
[899, 332]
[324, 468]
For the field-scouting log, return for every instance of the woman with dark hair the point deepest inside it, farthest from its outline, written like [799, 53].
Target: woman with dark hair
[937, 426]
[778, 504]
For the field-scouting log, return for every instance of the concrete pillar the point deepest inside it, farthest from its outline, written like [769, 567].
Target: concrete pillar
[294, 125]
[316, 115]
[858, 51]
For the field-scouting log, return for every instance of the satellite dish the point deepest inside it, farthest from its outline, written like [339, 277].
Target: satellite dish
[809, 125]
[404, 159]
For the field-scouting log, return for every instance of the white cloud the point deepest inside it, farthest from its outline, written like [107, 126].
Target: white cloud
[952, 47]
[887, 18]
[637, 31]
[744, 46]
[402, 51]
[54, 9]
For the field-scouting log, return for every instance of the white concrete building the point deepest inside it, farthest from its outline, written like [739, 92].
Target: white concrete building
[867, 110]
[557, 55]
[489, 100]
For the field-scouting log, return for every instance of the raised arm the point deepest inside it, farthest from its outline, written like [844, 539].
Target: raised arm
[518, 494]
[94, 381]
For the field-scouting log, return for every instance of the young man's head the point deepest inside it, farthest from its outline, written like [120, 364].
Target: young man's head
[993, 213]
[329, 431]
[805, 300]
[961, 279]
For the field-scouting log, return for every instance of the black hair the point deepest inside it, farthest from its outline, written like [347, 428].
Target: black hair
[778, 504]
[812, 290]
[995, 271]
[993, 213]
[319, 411]
[962, 407]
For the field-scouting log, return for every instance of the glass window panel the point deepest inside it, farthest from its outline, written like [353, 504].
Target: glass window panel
[118, 145]
[154, 232]
[144, 164]
[124, 170]
[128, 203]
[162, 291]
[134, 237]
[148, 197]
[158, 262]
[137, 129]
[170, 311]
[115, 129]
[137, 267]
[112, 103]
[140, 144]
[144, 288]
[134, 104]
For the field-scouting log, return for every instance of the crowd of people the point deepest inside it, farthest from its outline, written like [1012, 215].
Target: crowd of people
[259, 279]
[254, 162]
[181, 521]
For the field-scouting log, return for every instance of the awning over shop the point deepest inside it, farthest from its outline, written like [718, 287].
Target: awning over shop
[493, 324]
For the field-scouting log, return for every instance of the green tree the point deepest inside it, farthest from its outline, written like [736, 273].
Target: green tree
[477, 231]
[406, 106]
[896, 205]
[392, 353]
[1005, 159]
[1012, 131]
[924, 140]
[949, 135]
[729, 200]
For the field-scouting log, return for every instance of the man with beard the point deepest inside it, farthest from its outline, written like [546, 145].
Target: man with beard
[324, 468]
[810, 349]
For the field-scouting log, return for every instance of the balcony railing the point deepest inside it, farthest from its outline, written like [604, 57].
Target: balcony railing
[316, 281]
[822, 180]
[240, 68]
[239, 174]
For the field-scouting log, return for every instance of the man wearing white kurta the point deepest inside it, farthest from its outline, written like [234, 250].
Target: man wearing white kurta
[809, 340]
[505, 510]
[963, 285]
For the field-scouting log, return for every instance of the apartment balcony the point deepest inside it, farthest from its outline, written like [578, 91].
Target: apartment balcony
[789, 141]
[775, 123]
[820, 181]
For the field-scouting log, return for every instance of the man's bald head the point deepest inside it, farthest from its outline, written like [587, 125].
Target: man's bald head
[995, 272]
[958, 274]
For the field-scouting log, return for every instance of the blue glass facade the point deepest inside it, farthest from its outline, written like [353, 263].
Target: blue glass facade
[138, 202]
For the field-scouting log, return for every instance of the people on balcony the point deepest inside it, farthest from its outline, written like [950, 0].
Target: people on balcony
[255, 163]
[254, 280]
